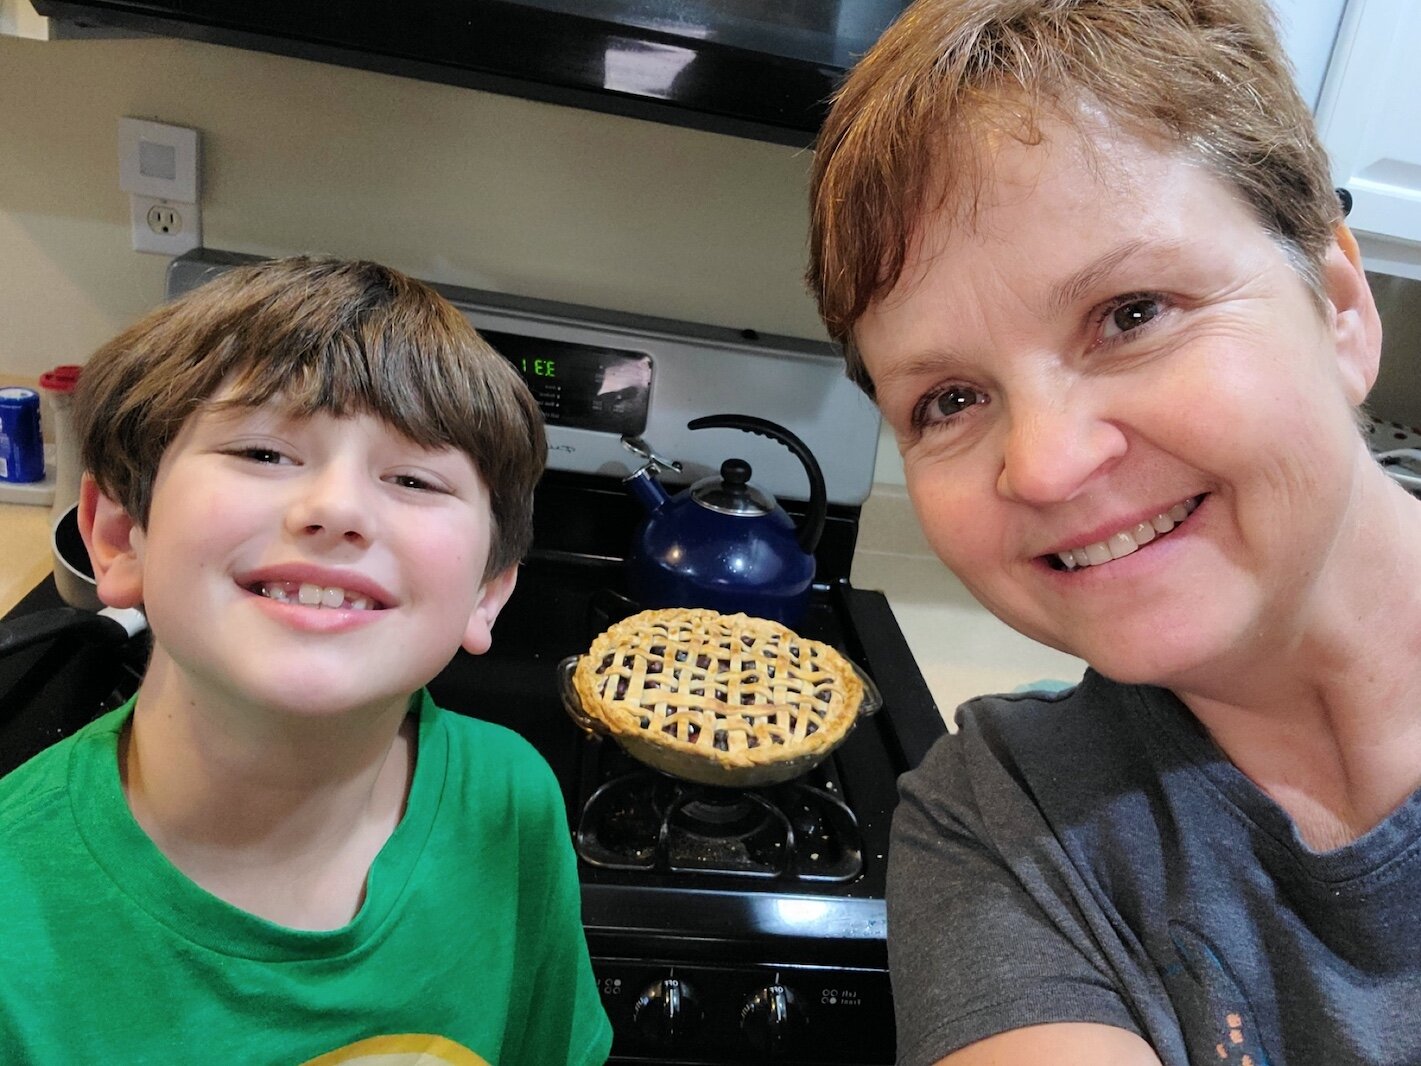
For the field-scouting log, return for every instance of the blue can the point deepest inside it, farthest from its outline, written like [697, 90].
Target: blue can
[21, 445]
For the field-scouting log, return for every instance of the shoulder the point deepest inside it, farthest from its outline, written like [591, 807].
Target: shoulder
[33, 788]
[46, 864]
[1080, 765]
[498, 798]
[1021, 717]
[494, 768]
[502, 752]
[1094, 729]
[38, 787]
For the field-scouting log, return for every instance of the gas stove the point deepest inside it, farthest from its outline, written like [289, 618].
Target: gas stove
[725, 925]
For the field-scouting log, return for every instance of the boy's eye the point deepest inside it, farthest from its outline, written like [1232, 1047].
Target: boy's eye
[1129, 314]
[411, 481]
[260, 455]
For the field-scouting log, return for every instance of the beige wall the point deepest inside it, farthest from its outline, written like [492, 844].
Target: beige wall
[448, 184]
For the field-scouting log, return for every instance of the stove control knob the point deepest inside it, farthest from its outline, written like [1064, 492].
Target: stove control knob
[771, 1019]
[667, 1011]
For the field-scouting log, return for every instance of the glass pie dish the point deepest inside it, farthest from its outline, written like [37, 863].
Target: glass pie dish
[723, 700]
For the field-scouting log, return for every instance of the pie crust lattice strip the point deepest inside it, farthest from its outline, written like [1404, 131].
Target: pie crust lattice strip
[737, 690]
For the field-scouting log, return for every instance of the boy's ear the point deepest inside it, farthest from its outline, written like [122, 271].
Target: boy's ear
[478, 637]
[1356, 325]
[114, 542]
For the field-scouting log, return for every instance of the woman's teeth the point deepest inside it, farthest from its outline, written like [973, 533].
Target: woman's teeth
[311, 595]
[1121, 544]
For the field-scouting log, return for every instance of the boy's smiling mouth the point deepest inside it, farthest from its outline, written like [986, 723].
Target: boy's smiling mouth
[309, 594]
[1126, 541]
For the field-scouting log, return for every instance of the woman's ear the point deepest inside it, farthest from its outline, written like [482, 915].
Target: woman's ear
[1356, 326]
[115, 542]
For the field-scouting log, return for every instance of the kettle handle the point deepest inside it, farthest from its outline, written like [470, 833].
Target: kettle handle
[813, 526]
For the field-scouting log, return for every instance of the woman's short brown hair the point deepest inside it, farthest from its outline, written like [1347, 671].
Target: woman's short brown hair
[904, 135]
[315, 335]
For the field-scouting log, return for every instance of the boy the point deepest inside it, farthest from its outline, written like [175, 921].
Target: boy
[317, 480]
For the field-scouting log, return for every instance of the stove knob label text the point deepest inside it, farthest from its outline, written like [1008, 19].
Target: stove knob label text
[840, 997]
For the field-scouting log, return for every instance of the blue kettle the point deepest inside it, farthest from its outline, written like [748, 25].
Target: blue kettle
[723, 543]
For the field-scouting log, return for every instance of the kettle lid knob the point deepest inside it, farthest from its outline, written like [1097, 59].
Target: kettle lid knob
[732, 493]
[735, 475]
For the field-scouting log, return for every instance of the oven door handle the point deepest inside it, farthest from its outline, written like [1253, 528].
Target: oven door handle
[109, 626]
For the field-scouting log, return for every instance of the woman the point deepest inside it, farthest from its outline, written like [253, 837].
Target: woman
[1086, 256]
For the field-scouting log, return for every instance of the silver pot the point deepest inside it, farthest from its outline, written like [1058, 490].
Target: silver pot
[86, 617]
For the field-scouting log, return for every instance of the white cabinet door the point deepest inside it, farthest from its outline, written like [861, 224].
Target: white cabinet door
[1370, 118]
[1308, 29]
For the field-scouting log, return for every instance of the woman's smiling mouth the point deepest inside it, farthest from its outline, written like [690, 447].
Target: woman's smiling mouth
[1126, 541]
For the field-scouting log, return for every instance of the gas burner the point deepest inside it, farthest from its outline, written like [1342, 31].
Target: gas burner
[645, 820]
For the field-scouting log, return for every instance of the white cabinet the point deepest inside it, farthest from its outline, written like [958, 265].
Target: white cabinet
[19, 19]
[1308, 29]
[1370, 118]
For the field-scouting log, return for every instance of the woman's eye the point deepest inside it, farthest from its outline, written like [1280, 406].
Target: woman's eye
[953, 400]
[1130, 314]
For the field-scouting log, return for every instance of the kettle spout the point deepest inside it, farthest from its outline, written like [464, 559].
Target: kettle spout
[648, 491]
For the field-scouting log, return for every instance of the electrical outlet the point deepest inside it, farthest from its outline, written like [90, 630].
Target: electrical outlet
[167, 227]
[158, 166]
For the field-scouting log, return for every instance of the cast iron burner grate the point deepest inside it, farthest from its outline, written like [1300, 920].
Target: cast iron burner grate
[642, 819]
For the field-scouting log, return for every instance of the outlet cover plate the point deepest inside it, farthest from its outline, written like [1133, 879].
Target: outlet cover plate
[182, 234]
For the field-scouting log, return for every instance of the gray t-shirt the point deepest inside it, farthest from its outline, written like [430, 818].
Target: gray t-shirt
[1092, 856]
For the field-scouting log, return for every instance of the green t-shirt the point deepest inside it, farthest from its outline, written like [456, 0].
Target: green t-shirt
[467, 950]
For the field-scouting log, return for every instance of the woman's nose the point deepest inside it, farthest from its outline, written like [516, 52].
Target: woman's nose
[1052, 452]
[332, 503]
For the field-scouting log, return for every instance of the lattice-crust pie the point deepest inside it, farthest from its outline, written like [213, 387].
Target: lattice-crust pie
[737, 690]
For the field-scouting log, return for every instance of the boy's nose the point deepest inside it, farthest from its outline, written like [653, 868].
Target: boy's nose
[1053, 450]
[332, 505]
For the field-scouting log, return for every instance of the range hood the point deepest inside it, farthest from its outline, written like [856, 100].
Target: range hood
[762, 69]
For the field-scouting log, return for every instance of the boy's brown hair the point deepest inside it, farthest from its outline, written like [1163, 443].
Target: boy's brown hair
[315, 335]
[907, 131]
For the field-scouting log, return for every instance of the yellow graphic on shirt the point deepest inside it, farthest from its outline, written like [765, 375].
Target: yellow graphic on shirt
[405, 1049]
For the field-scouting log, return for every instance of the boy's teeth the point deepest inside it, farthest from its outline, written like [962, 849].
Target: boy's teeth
[309, 594]
[1121, 544]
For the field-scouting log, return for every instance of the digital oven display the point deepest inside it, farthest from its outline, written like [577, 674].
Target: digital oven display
[581, 386]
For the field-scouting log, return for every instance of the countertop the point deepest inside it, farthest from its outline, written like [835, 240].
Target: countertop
[961, 649]
[24, 550]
